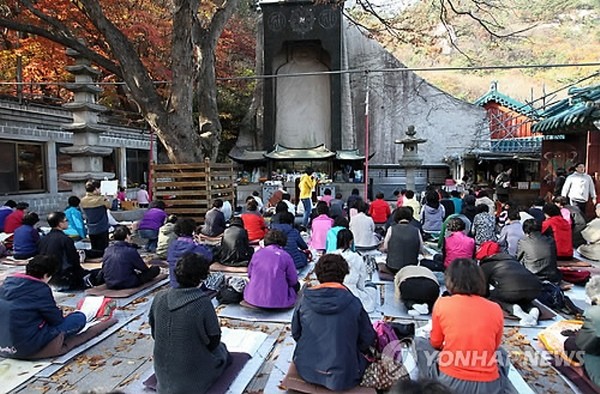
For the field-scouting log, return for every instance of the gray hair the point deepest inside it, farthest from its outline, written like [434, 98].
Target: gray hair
[592, 289]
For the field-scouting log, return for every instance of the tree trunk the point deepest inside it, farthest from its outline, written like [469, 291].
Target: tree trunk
[208, 111]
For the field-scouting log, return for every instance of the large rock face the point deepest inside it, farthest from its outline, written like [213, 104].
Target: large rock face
[396, 101]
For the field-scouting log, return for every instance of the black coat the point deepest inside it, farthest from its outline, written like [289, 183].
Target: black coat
[504, 272]
[235, 249]
[578, 223]
[332, 331]
[70, 274]
[537, 253]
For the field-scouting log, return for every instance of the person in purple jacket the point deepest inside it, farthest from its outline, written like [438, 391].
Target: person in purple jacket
[122, 265]
[184, 229]
[5, 210]
[273, 277]
[30, 317]
[151, 222]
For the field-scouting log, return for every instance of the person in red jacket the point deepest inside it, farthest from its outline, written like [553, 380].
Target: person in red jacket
[15, 219]
[253, 222]
[379, 210]
[556, 226]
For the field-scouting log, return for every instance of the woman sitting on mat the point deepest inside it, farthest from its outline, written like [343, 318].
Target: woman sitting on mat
[30, 317]
[457, 245]
[166, 235]
[253, 221]
[151, 223]
[323, 356]
[418, 288]
[183, 319]
[432, 213]
[363, 228]
[76, 229]
[537, 252]
[466, 334]
[295, 245]
[235, 249]
[26, 238]
[122, 265]
[319, 226]
[273, 277]
[588, 337]
[339, 223]
[515, 287]
[591, 234]
[558, 228]
[184, 228]
[402, 241]
[356, 279]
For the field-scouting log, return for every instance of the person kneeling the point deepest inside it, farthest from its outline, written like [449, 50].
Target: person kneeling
[122, 265]
[418, 288]
[188, 353]
[273, 277]
[323, 356]
[30, 317]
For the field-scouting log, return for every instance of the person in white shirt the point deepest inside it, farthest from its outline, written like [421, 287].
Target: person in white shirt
[143, 198]
[363, 228]
[579, 187]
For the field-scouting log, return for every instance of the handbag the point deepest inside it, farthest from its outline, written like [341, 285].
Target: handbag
[383, 373]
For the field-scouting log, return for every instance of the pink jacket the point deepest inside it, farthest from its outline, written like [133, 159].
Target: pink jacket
[457, 246]
[319, 228]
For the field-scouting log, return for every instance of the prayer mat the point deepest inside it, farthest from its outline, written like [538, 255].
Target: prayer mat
[238, 360]
[293, 381]
[384, 273]
[545, 312]
[13, 373]
[157, 262]
[218, 267]
[554, 337]
[253, 314]
[212, 241]
[573, 263]
[577, 376]
[10, 260]
[123, 293]
[91, 265]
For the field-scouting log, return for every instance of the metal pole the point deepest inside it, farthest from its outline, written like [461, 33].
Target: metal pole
[366, 144]
[150, 163]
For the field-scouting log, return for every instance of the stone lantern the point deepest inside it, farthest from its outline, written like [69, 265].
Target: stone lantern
[410, 155]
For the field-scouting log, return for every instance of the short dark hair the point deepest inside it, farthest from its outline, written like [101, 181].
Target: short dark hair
[513, 214]
[530, 226]
[327, 191]
[322, 208]
[344, 239]
[121, 232]
[281, 207]
[275, 237]
[482, 193]
[255, 193]
[22, 205]
[355, 192]
[338, 196]
[551, 210]
[236, 221]
[379, 196]
[560, 200]
[286, 218]
[481, 208]
[10, 203]
[361, 206]
[73, 201]
[403, 213]
[331, 268]
[538, 202]
[42, 265]
[191, 268]
[172, 219]
[341, 221]
[90, 186]
[309, 170]
[455, 193]
[185, 227]
[251, 205]
[464, 276]
[218, 203]
[55, 218]
[410, 194]
[455, 224]
[160, 204]
[30, 219]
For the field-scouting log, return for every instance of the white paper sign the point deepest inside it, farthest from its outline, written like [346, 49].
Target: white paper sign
[109, 188]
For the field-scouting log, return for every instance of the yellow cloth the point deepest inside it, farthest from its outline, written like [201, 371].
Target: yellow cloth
[306, 185]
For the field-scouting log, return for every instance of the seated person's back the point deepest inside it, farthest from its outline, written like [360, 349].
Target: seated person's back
[26, 238]
[295, 245]
[322, 356]
[273, 277]
[235, 249]
[184, 229]
[402, 241]
[320, 225]
[214, 220]
[122, 265]
[253, 221]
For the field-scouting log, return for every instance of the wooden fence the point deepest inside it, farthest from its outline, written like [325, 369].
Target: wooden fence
[189, 190]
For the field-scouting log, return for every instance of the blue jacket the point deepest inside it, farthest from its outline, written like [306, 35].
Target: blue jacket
[4, 212]
[119, 263]
[76, 225]
[294, 244]
[25, 241]
[178, 248]
[29, 313]
[323, 356]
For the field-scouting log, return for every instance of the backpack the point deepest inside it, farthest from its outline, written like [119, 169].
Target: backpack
[385, 334]
[552, 296]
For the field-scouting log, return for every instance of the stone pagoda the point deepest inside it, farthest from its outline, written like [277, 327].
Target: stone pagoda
[410, 155]
[86, 152]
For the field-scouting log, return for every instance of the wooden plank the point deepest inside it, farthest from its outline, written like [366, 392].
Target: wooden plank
[181, 175]
[177, 193]
[179, 202]
[161, 167]
[180, 184]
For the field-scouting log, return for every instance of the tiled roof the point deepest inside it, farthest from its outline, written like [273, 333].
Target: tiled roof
[493, 95]
[575, 113]
[517, 145]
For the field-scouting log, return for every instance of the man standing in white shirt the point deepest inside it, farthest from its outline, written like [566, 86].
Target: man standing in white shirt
[579, 187]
